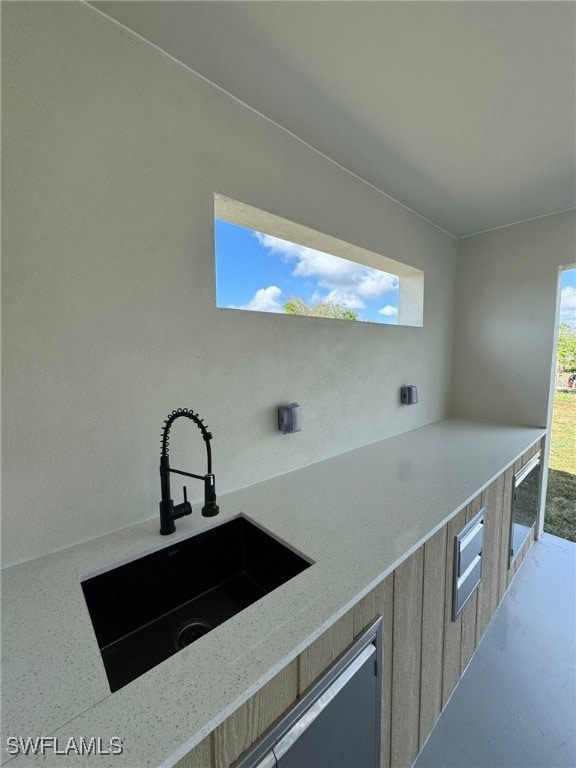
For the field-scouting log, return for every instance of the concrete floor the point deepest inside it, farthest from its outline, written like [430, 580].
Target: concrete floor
[515, 706]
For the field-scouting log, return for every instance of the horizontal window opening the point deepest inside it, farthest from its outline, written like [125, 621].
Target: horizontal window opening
[268, 264]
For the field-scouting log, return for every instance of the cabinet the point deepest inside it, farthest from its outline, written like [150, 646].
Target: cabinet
[423, 654]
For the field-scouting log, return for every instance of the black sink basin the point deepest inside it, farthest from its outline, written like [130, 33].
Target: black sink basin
[150, 608]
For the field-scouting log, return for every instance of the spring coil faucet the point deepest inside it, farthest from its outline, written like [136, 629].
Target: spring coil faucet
[168, 510]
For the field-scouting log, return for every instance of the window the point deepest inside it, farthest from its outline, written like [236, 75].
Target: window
[268, 264]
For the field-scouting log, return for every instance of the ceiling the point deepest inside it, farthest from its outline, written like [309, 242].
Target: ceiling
[462, 111]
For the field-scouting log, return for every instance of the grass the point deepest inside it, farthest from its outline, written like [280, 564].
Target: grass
[560, 516]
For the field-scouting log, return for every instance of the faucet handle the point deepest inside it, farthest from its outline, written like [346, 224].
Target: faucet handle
[182, 509]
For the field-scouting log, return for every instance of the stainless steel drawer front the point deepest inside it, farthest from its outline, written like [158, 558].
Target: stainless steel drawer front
[467, 562]
[471, 546]
[467, 583]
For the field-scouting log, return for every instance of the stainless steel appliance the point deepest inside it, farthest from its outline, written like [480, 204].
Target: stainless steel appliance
[525, 499]
[336, 723]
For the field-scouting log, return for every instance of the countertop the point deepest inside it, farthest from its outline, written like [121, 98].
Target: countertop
[357, 516]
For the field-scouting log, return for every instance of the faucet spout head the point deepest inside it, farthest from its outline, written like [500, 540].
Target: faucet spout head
[210, 508]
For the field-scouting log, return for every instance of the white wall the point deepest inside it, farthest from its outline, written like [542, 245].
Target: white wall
[112, 153]
[505, 317]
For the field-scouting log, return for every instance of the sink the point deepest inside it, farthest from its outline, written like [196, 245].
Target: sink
[150, 608]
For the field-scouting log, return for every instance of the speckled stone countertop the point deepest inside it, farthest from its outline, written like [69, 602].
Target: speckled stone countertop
[357, 516]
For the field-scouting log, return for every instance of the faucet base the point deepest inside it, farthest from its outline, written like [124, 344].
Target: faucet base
[168, 531]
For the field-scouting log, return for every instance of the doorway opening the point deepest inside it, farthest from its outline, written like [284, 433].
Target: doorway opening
[560, 511]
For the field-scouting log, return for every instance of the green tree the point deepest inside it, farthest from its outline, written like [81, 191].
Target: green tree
[567, 347]
[297, 306]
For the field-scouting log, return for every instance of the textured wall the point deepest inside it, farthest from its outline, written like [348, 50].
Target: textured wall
[112, 154]
[505, 317]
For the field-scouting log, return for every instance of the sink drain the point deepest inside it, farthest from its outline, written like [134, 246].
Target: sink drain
[191, 631]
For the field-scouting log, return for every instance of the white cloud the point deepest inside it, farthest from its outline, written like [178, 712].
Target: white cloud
[568, 297]
[329, 269]
[348, 283]
[374, 283]
[276, 245]
[568, 305]
[348, 299]
[264, 300]
[388, 311]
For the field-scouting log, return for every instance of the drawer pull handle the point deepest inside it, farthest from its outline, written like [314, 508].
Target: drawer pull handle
[470, 535]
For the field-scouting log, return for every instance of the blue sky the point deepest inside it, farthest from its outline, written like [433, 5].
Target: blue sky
[568, 298]
[259, 272]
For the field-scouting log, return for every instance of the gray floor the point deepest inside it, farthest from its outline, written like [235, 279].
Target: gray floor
[516, 703]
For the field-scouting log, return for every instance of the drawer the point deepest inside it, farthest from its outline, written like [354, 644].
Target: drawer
[471, 546]
[467, 562]
[466, 584]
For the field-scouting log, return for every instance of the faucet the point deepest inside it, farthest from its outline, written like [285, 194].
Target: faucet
[168, 510]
